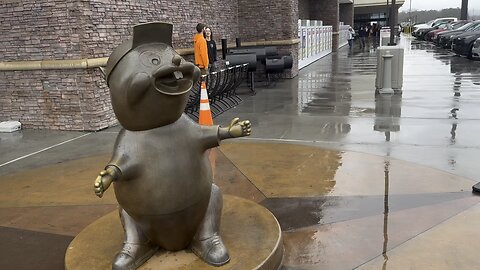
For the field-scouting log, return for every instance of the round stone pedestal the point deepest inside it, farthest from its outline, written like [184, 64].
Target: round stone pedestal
[250, 232]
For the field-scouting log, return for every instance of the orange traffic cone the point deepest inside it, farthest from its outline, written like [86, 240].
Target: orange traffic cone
[205, 117]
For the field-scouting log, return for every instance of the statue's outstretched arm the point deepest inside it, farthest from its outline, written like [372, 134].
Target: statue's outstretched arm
[105, 178]
[212, 135]
[236, 129]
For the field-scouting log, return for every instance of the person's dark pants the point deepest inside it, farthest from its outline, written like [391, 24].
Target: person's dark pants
[362, 42]
[350, 43]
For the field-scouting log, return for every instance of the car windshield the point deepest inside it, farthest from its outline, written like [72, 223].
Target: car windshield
[458, 25]
[429, 23]
[443, 26]
[471, 26]
[475, 28]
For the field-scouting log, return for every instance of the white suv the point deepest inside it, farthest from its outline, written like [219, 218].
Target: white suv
[432, 23]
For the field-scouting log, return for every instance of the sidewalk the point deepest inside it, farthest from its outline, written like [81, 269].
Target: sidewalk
[356, 181]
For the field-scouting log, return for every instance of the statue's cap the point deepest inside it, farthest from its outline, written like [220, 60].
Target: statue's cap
[153, 32]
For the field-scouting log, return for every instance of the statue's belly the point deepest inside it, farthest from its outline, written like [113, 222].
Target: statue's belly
[165, 185]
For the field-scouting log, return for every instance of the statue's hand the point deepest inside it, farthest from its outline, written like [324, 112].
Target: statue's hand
[103, 181]
[239, 128]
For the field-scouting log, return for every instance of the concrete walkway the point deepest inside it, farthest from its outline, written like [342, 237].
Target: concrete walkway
[356, 180]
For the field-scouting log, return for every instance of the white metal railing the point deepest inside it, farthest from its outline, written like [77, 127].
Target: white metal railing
[315, 41]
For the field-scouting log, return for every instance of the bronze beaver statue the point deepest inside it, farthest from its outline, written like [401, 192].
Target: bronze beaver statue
[159, 168]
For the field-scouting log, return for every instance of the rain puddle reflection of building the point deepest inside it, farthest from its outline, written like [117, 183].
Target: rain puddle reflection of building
[385, 216]
[327, 92]
[388, 111]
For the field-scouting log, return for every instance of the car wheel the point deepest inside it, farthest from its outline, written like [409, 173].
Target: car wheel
[470, 52]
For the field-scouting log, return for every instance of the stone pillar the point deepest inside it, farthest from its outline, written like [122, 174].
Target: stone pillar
[327, 11]
[279, 21]
[304, 9]
[346, 13]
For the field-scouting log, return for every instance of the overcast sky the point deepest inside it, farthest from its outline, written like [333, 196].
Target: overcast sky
[439, 4]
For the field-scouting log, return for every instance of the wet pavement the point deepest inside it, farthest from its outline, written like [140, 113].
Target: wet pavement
[356, 180]
[434, 122]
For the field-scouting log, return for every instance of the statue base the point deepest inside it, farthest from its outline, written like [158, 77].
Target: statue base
[250, 232]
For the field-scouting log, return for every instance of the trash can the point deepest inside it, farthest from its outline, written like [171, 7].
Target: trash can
[396, 67]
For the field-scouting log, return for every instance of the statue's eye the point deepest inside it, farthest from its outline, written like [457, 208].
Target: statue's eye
[150, 59]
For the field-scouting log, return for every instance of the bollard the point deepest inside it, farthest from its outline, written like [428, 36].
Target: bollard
[389, 69]
[387, 74]
[224, 48]
[238, 42]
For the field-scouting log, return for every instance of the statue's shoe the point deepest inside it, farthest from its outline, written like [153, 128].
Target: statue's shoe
[211, 250]
[133, 256]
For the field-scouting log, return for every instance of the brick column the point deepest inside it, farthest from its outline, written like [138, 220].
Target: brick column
[346, 14]
[304, 9]
[327, 11]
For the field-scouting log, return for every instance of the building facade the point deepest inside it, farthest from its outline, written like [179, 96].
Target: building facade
[374, 11]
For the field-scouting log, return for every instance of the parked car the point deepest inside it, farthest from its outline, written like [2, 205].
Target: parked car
[433, 35]
[476, 49]
[463, 44]
[432, 23]
[422, 33]
[445, 39]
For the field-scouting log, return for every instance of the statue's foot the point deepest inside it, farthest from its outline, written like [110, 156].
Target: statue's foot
[211, 250]
[133, 256]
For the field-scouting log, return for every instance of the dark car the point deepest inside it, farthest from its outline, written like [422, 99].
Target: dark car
[432, 35]
[424, 31]
[445, 39]
[463, 43]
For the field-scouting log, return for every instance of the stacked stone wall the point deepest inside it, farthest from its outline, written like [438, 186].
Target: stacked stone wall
[54, 29]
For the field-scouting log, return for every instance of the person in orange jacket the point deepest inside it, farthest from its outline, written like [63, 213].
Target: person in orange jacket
[200, 49]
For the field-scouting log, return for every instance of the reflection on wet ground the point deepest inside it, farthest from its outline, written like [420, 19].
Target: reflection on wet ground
[337, 209]
[308, 161]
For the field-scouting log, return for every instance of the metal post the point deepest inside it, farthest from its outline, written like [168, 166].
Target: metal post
[387, 74]
[224, 48]
[238, 42]
[464, 11]
[392, 19]
[410, 25]
[387, 14]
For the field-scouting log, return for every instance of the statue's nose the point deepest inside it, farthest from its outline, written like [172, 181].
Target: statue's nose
[176, 60]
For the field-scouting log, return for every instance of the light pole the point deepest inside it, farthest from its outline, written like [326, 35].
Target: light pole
[392, 19]
[387, 14]
[464, 12]
[410, 15]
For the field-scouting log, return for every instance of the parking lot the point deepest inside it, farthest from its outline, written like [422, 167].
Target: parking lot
[460, 37]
